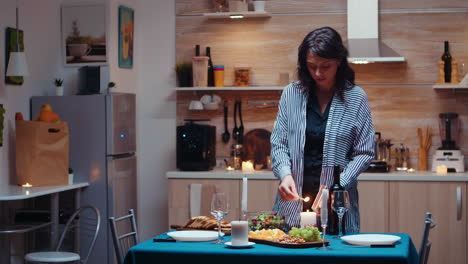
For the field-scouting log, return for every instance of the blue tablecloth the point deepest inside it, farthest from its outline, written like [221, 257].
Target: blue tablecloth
[202, 252]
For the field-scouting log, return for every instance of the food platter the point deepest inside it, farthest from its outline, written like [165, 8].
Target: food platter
[289, 245]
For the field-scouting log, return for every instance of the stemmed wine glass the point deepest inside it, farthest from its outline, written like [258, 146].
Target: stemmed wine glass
[219, 209]
[340, 204]
[324, 221]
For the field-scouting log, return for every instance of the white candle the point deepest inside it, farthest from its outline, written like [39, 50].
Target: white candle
[324, 208]
[247, 167]
[244, 195]
[239, 233]
[308, 219]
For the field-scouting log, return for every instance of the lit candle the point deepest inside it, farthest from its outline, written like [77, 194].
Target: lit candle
[239, 233]
[247, 167]
[441, 169]
[308, 219]
[324, 208]
[244, 195]
[26, 185]
[229, 168]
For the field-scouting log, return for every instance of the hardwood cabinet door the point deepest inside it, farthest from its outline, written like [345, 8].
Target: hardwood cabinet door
[373, 206]
[179, 198]
[409, 201]
[261, 194]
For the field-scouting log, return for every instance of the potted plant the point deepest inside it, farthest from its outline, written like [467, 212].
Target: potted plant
[58, 86]
[184, 74]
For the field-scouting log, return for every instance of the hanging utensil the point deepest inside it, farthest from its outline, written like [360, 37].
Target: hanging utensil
[225, 136]
[241, 127]
[235, 130]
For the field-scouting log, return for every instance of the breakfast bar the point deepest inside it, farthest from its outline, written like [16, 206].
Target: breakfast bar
[404, 252]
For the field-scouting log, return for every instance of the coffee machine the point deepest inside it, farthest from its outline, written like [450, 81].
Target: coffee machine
[381, 160]
[449, 154]
[196, 146]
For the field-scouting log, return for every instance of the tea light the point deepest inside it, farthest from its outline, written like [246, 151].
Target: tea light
[441, 169]
[308, 219]
[247, 167]
[26, 185]
[229, 168]
[239, 233]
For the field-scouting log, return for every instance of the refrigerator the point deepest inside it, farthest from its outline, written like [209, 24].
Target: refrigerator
[102, 152]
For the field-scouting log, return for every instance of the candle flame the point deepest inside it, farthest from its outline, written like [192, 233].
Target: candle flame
[307, 199]
[307, 210]
[26, 185]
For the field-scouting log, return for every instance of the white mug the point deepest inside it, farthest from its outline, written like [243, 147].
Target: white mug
[259, 6]
[195, 105]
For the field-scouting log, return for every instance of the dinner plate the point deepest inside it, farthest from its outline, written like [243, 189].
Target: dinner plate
[229, 244]
[194, 235]
[370, 239]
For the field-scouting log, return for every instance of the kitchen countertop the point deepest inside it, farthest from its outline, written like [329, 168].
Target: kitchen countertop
[268, 175]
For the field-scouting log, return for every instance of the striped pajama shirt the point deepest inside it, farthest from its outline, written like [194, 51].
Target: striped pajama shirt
[349, 143]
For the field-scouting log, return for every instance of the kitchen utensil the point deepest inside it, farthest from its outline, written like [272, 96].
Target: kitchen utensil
[225, 136]
[235, 130]
[449, 154]
[241, 128]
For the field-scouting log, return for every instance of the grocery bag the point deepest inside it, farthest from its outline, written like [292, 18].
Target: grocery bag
[42, 153]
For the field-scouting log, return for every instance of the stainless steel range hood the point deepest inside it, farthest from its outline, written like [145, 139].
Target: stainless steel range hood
[364, 44]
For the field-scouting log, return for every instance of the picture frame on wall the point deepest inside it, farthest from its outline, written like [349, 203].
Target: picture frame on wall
[126, 30]
[10, 45]
[84, 34]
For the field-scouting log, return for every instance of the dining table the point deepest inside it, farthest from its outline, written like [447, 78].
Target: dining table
[157, 250]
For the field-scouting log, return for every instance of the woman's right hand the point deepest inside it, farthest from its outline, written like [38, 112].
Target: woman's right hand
[287, 189]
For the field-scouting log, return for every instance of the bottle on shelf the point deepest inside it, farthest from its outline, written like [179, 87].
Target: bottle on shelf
[197, 50]
[447, 59]
[210, 68]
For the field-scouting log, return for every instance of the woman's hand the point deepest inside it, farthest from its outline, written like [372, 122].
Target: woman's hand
[287, 189]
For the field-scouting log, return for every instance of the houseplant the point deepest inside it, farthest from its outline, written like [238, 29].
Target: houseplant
[184, 74]
[58, 86]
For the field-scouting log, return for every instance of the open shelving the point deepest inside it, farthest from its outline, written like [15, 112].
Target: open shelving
[450, 86]
[246, 14]
[232, 88]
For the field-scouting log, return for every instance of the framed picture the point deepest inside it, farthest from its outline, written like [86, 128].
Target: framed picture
[10, 45]
[126, 19]
[84, 35]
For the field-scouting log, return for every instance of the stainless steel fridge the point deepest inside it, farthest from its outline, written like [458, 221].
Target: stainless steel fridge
[102, 152]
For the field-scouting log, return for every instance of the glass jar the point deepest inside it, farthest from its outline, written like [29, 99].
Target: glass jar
[241, 76]
[236, 155]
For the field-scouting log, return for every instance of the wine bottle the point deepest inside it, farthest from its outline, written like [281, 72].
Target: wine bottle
[210, 68]
[332, 216]
[447, 59]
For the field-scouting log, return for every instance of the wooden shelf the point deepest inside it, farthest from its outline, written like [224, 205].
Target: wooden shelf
[450, 86]
[227, 15]
[232, 88]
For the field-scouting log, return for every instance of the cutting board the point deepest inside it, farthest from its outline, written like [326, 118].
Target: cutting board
[257, 146]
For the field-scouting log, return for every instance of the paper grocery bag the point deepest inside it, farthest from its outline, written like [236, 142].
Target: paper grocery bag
[42, 151]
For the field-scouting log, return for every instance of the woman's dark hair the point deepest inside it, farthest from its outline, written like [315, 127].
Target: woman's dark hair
[324, 42]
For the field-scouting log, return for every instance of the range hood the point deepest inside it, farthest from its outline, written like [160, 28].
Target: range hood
[364, 44]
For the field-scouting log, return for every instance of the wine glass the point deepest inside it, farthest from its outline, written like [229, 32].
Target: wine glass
[340, 204]
[324, 221]
[219, 209]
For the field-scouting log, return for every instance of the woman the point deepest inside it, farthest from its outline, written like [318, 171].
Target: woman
[323, 120]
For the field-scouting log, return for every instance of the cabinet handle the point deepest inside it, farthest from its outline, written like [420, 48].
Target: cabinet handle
[459, 203]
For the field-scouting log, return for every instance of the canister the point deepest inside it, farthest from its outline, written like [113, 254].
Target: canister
[200, 71]
[242, 76]
[236, 154]
[219, 75]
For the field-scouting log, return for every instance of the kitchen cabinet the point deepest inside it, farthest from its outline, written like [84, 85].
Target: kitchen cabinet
[408, 202]
[260, 195]
[179, 198]
[373, 206]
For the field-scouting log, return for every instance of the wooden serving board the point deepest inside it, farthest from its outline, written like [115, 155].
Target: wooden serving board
[289, 245]
[226, 231]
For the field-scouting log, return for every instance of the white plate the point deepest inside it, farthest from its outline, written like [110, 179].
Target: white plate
[194, 235]
[229, 244]
[370, 239]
